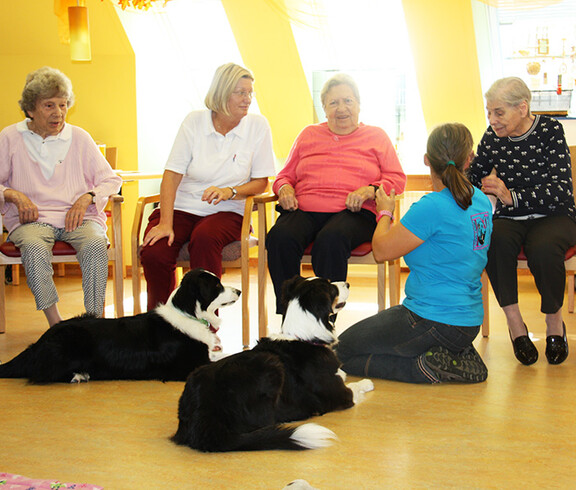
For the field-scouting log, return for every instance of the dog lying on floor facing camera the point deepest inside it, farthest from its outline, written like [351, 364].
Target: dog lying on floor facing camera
[239, 403]
[165, 344]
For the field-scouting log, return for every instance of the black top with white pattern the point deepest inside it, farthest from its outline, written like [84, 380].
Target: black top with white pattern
[535, 167]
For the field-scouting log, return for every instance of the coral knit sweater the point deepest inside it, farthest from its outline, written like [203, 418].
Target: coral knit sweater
[324, 167]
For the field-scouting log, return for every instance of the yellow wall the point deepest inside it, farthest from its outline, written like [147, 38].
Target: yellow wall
[104, 88]
[441, 34]
[444, 49]
[269, 50]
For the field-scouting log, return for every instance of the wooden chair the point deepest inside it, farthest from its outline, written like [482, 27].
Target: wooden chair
[235, 254]
[65, 253]
[360, 255]
[569, 263]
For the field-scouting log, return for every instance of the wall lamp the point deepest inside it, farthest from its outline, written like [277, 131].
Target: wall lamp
[79, 33]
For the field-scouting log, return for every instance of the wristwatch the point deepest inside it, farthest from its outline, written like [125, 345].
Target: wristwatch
[234, 192]
[93, 194]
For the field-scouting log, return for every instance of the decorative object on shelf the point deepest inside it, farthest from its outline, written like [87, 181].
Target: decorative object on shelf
[139, 4]
[551, 102]
[543, 43]
[79, 33]
[533, 68]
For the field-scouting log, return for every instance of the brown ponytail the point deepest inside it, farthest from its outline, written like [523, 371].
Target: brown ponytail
[448, 149]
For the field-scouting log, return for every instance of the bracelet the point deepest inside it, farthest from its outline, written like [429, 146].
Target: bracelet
[384, 212]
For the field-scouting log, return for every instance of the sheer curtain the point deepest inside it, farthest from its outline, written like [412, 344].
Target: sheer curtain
[177, 47]
[367, 39]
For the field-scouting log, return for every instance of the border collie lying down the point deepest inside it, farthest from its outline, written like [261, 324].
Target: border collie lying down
[165, 344]
[239, 402]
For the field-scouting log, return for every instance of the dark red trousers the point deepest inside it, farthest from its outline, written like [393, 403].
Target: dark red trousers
[207, 236]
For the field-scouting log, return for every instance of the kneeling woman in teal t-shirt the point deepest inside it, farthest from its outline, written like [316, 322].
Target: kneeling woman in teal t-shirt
[444, 238]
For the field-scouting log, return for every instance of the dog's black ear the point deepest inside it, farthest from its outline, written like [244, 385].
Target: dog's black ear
[288, 288]
[199, 286]
[317, 297]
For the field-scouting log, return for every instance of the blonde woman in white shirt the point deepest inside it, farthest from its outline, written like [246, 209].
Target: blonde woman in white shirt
[220, 156]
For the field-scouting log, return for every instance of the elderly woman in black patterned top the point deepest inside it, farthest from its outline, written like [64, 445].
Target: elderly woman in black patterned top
[523, 160]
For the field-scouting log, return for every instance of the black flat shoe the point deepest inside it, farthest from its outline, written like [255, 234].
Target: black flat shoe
[557, 347]
[524, 350]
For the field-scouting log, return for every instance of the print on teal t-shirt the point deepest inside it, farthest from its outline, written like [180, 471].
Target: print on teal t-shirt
[444, 281]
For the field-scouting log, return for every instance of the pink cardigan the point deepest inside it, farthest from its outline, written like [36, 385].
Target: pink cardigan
[84, 169]
[324, 167]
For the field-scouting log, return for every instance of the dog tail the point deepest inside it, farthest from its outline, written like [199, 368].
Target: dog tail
[16, 368]
[307, 436]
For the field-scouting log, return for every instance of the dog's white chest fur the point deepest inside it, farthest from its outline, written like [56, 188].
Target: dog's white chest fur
[190, 326]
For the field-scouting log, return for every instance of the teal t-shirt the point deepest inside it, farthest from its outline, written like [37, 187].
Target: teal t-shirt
[444, 282]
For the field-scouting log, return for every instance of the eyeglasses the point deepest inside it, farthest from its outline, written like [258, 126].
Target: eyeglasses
[243, 94]
[348, 102]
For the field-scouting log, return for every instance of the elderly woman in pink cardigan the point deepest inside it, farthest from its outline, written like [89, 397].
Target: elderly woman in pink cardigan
[54, 185]
[327, 188]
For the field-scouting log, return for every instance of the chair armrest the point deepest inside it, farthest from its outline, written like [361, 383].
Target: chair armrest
[143, 201]
[265, 198]
[115, 202]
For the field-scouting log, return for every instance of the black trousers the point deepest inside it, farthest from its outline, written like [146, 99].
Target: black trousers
[545, 241]
[334, 235]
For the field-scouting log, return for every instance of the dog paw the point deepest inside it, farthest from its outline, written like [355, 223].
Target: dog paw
[366, 385]
[217, 355]
[80, 377]
[359, 389]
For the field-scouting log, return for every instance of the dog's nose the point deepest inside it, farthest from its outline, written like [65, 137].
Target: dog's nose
[237, 292]
[347, 284]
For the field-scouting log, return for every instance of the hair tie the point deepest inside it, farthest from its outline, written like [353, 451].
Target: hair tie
[451, 162]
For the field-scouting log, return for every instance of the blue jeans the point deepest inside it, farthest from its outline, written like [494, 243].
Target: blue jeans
[388, 345]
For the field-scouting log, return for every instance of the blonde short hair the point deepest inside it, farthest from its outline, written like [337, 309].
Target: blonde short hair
[45, 83]
[223, 84]
[339, 79]
[510, 90]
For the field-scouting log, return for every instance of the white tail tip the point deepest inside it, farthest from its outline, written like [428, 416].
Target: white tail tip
[313, 436]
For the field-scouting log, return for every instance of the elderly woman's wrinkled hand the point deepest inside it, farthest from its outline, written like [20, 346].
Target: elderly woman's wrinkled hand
[75, 214]
[27, 210]
[287, 198]
[492, 184]
[356, 198]
[385, 201]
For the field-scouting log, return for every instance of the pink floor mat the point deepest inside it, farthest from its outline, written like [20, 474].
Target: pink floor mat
[18, 482]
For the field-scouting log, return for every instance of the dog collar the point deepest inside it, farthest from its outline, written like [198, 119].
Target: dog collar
[206, 323]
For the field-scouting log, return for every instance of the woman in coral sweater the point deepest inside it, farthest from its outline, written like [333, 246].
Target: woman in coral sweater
[326, 190]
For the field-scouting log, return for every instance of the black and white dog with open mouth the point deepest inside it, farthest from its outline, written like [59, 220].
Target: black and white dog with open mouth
[165, 344]
[239, 403]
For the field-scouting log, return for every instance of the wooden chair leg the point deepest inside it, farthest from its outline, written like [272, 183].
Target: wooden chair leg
[262, 306]
[245, 281]
[381, 287]
[118, 283]
[15, 275]
[136, 286]
[60, 269]
[394, 282]
[262, 273]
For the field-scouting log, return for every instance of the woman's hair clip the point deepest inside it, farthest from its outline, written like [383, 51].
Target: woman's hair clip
[451, 162]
